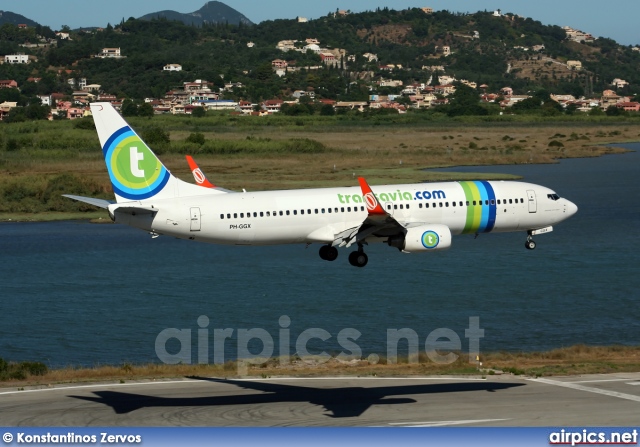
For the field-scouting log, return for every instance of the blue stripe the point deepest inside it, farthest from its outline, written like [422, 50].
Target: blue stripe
[491, 221]
[485, 209]
[114, 136]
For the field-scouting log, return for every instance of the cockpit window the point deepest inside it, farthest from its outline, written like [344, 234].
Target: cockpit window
[553, 197]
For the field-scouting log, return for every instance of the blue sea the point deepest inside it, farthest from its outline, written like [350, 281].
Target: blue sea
[76, 293]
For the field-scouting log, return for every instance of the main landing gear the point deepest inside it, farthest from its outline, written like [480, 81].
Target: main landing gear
[358, 258]
[530, 244]
[328, 253]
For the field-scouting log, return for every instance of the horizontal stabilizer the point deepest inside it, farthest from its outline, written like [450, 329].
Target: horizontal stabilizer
[101, 203]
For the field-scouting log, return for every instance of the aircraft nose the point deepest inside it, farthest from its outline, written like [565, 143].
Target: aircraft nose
[571, 208]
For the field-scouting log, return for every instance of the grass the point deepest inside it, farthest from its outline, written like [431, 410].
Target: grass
[40, 161]
[579, 359]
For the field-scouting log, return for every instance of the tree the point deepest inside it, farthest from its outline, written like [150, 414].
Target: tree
[146, 110]
[129, 108]
[327, 110]
[199, 112]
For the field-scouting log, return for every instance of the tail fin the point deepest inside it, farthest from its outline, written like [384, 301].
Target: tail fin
[135, 171]
[201, 179]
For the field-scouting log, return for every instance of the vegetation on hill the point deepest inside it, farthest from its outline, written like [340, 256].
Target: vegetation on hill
[409, 38]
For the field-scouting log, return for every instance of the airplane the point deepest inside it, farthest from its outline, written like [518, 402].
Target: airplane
[413, 218]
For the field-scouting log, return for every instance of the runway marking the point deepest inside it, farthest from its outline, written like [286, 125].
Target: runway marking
[600, 380]
[103, 385]
[442, 423]
[191, 381]
[588, 389]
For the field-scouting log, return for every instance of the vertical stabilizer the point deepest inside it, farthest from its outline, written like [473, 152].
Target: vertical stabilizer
[135, 171]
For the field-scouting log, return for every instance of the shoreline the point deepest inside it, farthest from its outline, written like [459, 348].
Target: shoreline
[574, 360]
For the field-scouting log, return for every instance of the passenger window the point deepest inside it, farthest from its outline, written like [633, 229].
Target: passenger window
[493, 202]
[281, 213]
[301, 211]
[316, 210]
[407, 206]
[511, 201]
[420, 205]
[261, 213]
[474, 203]
[241, 215]
[295, 212]
[395, 207]
[288, 212]
[467, 203]
[322, 210]
[342, 209]
[221, 216]
[362, 208]
[235, 215]
[453, 203]
[401, 207]
[329, 210]
[228, 216]
[486, 202]
[447, 204]
[521, 200]
[309, 211]
[440, 204]
[426, 205]
[461, 203]
[349, 208]
[388, 207]
[336, 210]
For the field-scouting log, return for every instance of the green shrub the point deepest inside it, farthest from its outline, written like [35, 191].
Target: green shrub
[196, 138]
[34, 368]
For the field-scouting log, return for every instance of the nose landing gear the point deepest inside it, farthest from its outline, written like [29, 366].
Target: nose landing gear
[530, 244]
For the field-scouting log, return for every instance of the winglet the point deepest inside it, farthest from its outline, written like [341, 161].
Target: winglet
[373, 206]
[201, 179]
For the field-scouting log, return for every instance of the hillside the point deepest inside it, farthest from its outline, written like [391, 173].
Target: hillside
[15, 19]
[211, 13]
[498, 51]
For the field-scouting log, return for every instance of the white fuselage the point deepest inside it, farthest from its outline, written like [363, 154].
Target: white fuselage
[317, 215]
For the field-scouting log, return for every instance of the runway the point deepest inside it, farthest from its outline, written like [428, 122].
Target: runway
[595, 400]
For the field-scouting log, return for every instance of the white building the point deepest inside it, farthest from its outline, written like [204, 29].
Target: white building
[110, 53]
[16, 59]
[172, 67]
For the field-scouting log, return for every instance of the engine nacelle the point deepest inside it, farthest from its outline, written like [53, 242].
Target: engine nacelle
[423, 238]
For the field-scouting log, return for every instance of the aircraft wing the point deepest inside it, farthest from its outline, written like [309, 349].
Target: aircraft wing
[378, 220]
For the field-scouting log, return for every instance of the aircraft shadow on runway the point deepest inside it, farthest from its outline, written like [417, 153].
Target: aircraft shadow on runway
[339, 402]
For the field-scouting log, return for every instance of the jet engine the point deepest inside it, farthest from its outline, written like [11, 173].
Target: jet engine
[422, 238]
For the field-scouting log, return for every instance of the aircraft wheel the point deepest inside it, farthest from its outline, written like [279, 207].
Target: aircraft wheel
[332, 253]
[530, 245]
[328, 253]
[358, 258]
